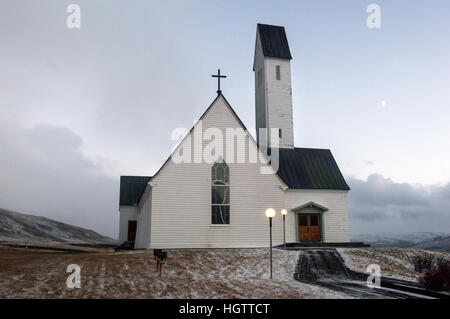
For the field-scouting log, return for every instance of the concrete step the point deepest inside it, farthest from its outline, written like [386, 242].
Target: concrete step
[324, 245]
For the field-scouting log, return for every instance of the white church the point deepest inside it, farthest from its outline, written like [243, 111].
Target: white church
[220, 202]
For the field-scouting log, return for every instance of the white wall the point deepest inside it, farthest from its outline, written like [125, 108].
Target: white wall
[335, 219]
[273, 98]
[181, 200]
[176, 210]
[144, 224]
[126, 213]
[279, 99]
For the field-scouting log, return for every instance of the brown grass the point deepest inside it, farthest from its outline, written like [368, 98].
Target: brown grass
[239, 273]
[394, 262]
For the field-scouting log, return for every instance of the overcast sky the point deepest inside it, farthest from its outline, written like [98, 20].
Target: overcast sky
[80, 107]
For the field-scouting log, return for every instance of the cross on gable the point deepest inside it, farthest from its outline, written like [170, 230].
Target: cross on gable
[218, 76]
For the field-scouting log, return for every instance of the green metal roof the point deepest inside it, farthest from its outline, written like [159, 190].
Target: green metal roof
[131, 189]
[274, 42]
[310, 168]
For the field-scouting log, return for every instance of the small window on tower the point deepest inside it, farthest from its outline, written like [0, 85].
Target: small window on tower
[279, 133]
[259, 77]
[278, 73]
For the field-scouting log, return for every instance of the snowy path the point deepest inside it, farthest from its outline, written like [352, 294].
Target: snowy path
[326, 268]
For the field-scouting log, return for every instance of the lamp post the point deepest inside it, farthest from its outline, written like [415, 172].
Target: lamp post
[270, 213]
[284, 213]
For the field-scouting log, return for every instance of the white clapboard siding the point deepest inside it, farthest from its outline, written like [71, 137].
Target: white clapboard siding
[279, 100]
[144, 225]
[335, 219]
[181, 199]
[273, 97]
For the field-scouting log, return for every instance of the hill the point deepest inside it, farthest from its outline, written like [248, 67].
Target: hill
[16, 226]
[424, 240]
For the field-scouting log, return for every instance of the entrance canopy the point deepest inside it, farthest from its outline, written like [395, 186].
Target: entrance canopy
[310, 205]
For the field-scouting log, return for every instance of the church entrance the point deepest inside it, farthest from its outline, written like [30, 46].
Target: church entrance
[309, 227]
[132, 226]
[310, 221]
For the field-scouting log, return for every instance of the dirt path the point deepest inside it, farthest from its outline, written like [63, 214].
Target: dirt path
[325, 267]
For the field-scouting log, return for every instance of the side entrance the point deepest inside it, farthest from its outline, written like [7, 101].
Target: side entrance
[132, 227]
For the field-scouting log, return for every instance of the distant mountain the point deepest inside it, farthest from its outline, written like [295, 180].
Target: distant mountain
[438, 243]
[16, 226]
[425, 240]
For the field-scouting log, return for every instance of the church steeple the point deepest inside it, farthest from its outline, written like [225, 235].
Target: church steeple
[273, 87]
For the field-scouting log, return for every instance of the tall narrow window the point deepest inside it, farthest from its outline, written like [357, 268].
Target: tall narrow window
[278, 72]
[280, 135]
[220, 193]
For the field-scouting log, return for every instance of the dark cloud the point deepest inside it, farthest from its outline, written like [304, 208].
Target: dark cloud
[380, 204]
[44, 172]
[379, 190]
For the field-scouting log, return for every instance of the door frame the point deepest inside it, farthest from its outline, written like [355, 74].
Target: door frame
[307, 209]
[297, 238]
[128, 230]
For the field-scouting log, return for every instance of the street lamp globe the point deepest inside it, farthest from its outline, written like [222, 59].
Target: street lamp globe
[284, 212]
[270, 213]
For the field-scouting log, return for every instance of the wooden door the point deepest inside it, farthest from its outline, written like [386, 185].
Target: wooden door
[309, 227]
[132, 226]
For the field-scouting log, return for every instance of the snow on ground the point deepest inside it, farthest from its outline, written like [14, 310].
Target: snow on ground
[213, 273]
[394, 262]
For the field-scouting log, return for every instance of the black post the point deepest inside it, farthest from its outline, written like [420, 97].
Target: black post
[284, 230]
[270, 226]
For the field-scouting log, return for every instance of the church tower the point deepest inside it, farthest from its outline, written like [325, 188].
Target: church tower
[273, 88]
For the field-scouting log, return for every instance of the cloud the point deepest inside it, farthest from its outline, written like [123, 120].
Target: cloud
[45, 173]
[379, 203]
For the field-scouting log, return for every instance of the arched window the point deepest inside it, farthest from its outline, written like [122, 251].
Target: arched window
[220, 192]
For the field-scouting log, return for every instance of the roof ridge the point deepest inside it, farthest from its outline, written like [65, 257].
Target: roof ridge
[135, 176]
[270, 25]
[312, 148]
